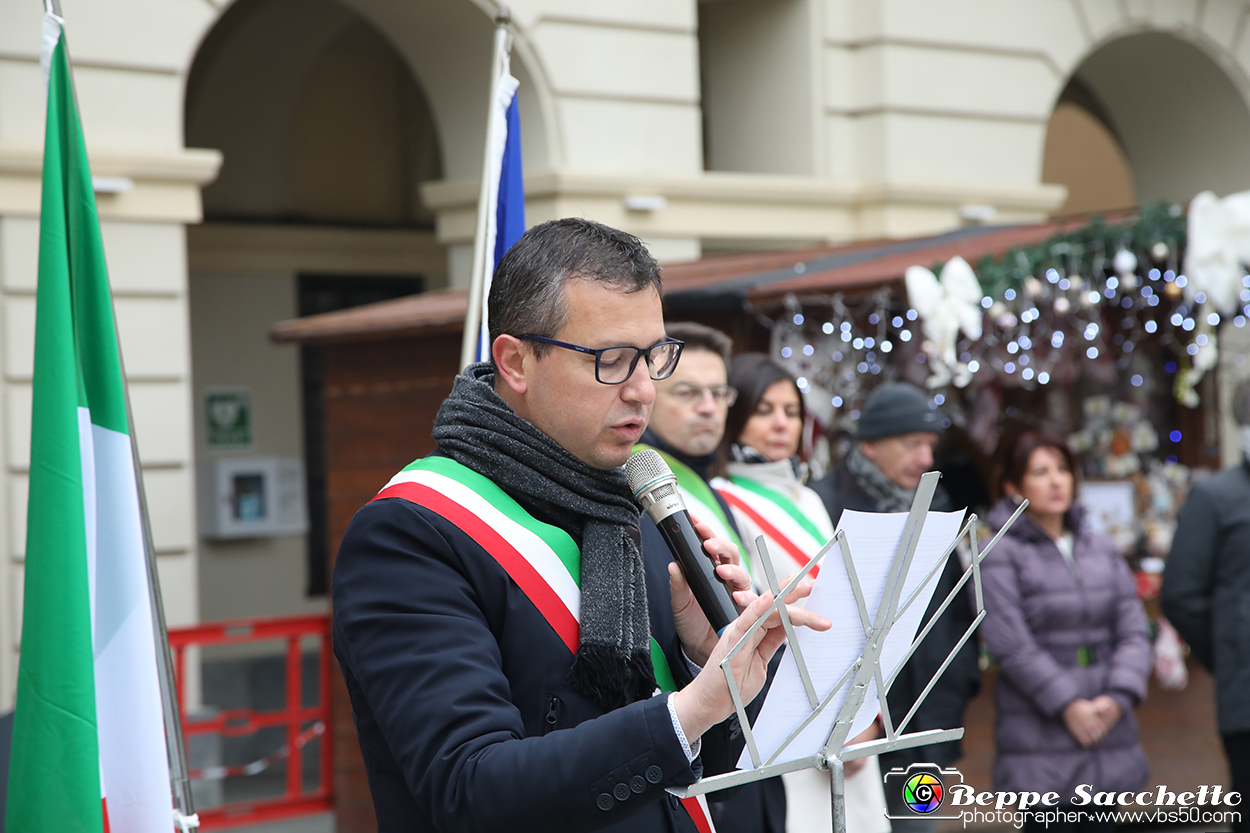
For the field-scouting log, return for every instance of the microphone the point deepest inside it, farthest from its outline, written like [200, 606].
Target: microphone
[655, 488]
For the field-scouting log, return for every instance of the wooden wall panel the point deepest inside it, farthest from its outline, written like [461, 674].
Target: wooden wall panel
[381, 398]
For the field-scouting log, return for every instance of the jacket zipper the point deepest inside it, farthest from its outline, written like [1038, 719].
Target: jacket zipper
[553, 714]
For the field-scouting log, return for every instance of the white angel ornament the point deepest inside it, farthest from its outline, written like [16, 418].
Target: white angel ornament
[946, 306]
[1218, 245]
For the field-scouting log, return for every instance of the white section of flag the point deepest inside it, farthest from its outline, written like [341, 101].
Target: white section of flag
[133, 758]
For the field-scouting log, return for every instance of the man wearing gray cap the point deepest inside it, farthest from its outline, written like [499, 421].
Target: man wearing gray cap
[896, 434]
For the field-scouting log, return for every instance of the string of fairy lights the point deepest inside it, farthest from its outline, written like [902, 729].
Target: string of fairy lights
[1106, 301]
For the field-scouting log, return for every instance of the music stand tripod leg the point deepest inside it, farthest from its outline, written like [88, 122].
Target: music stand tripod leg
[837, 795]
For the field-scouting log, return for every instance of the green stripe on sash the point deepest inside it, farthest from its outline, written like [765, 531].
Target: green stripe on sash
[782, 501]
[663, 674]
[560, 541]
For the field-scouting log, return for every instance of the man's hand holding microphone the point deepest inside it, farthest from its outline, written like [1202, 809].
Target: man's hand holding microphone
[713, 603]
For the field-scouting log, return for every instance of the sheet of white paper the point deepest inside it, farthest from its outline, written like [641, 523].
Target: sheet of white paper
[873, 539]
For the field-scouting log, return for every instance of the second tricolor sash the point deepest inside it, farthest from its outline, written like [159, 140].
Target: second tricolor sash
[786, 529]
[542, 559]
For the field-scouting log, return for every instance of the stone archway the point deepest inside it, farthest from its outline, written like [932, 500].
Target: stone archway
[1162, 112]
[327, 127]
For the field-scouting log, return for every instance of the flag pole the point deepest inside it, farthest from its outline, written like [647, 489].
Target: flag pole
[477, 279]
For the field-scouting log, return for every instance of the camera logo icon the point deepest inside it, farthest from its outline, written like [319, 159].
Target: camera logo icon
[920, 791]
[923, 792]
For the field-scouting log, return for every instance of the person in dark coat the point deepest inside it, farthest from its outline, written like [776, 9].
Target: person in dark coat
[896, 434]
[1070, 637]
[1206, 585]
[503, 625]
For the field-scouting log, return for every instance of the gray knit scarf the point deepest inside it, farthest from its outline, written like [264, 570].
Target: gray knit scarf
[888, 495]
[478, 429]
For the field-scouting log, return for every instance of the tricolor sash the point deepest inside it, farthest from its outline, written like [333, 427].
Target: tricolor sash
[701, 502]
[543, 560]
[786, 529]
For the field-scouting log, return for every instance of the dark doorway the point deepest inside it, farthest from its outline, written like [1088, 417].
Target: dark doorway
[318, 294]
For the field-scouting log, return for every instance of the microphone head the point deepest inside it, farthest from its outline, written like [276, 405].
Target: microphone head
[644, 469]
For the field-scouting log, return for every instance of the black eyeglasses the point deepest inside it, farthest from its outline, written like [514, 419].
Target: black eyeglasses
[614, 365]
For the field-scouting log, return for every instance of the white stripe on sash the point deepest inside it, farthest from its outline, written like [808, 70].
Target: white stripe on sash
[777, 516]
[532, 547]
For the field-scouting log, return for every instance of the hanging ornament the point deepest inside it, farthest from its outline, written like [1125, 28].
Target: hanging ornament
[1219, 241]
[1062, 305]
[1125, 262]
[1159, 251]
[1173, 291]
[1128, 281]
[946, 306]
[1033, 287]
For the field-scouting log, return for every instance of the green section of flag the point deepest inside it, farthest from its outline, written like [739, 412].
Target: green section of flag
[54, 780]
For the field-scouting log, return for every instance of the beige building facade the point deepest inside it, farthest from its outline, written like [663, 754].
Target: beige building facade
[255, 155]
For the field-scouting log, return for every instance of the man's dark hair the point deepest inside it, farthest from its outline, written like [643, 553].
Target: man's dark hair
[527, 291]
[700, 337]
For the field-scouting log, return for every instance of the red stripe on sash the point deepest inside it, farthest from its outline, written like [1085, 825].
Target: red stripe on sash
[697, 815]
[771, 531]
[532, 584]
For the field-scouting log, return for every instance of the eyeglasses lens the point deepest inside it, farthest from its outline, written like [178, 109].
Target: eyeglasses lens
[616, 364]
[663, 359]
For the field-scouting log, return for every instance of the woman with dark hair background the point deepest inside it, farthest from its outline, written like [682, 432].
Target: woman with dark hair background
[1070, 637]
[763, 475]
[764, 484]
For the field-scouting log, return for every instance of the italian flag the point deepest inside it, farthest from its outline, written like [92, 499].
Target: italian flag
[88, 737]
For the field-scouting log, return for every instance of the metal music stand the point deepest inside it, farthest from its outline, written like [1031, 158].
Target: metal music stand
[866, 668]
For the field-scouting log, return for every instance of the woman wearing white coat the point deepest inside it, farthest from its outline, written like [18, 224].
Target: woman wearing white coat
[763, 482]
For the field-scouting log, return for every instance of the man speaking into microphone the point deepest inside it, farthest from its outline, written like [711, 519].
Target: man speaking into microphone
[500, 629]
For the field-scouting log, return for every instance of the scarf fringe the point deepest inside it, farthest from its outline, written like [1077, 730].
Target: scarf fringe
[610, 679]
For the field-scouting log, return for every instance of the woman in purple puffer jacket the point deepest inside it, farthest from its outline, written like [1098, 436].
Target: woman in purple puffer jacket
[1070, 637]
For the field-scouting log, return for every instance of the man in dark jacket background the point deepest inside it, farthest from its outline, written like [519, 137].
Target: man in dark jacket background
[686, 426]
[1206, 597]
[895, 437]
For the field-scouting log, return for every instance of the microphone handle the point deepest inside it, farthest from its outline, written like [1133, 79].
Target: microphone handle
[700, 570]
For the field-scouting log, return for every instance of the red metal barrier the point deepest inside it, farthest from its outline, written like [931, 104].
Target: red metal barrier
[302, 723]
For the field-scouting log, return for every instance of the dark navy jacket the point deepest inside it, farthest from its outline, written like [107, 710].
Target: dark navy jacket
[458, 692]
[1206, 587]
